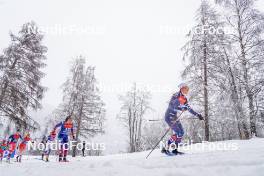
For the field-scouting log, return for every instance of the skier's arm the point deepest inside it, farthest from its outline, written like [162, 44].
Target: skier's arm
[57, 126]
[10, 139]
[188, 107]
[174, 104]
[199, 116]
[72, 133]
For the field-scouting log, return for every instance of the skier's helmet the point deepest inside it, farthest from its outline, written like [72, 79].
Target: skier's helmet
[184, 89]
[183, 85]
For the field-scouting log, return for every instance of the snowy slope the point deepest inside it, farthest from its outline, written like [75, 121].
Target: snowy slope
[248, 160]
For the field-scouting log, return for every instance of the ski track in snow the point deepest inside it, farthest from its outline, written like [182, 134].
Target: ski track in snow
[248, 160]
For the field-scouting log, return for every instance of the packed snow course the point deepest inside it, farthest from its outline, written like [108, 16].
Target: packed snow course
[246, 159]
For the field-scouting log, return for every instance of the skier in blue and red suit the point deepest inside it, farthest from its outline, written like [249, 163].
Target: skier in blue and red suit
[12, 143]
[22, 146]
[66, 127]
[3, 148]
[47, 142]
[178, 102]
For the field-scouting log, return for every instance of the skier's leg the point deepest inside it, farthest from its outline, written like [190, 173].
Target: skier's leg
[47, 158]
[21, 150]
[61, 152]
[65, 146]
[82, 152]
[169, 117]
[47, 154]
[65, 152]
[176, 137]
[11, 149]
[1, 155]
[44, 151]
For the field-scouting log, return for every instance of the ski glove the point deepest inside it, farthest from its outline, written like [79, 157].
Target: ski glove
[200, 117]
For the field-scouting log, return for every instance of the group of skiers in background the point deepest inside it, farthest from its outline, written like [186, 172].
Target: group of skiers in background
[177, 103]
[12, 146]
[16, 145]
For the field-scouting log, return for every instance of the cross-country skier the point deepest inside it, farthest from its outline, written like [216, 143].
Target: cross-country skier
[22, 147]
[48, 141]
[12, 143]
[3, 148]
[178, 102]
[66, 127]
[43, 141]
[83, 149]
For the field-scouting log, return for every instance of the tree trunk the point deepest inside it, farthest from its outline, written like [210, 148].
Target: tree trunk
[242, 127]
[79, 120]
[205, 86]
[245, 76]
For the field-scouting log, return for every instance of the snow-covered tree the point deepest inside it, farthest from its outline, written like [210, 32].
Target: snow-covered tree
[82, 100]
[135, 104]
[247, 24]
[21, 74]
[201, 50]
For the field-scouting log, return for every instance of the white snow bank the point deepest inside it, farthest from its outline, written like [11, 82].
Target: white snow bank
[246, 160]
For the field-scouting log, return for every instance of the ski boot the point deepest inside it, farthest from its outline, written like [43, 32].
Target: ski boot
[164, 150]
[175, 151]
[8, 160]
[60, 158]
[18, 158]
[65, 159]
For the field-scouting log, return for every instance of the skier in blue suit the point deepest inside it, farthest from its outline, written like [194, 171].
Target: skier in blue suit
[66, 127]
[178, 102]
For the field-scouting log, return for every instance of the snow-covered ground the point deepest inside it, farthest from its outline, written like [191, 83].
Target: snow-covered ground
[246, 160]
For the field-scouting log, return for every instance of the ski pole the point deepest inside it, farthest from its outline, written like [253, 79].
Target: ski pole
[158, 120]
[163, 136]
[154, 120]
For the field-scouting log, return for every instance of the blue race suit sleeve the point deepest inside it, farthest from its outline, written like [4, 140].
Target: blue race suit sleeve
[191, 110]
[72, 131]
[174, 104]
[10, 139]
[58, 125]
[172, 110]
